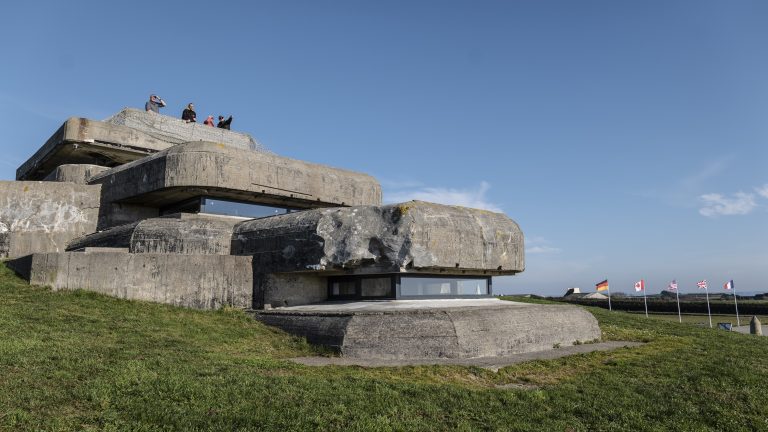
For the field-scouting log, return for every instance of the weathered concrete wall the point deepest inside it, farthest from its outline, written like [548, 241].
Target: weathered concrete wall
[179, 234]
[176, 131]
[116, 214]
[79, 174]
[44, 216]
[413, 236]
[278, 290]
[441, 333]
[83, 141]
[195, 281]
[205, 168]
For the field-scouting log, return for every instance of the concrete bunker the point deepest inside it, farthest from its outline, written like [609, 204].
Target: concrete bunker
[176, 213]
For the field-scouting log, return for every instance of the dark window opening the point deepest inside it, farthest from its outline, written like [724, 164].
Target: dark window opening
[410, 286]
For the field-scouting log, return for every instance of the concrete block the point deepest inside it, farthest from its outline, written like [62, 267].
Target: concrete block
[44, 216]
[194, 281]
[408, 237]
[176, 131]
[488, 328]
[79, 174]
[179, 234]
[206, 168]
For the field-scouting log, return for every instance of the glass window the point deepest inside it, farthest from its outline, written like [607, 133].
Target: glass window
[344, 288]
[235, 208]
[432, 286]
[376, 287]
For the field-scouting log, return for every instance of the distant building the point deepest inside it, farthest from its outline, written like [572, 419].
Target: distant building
[572, 291]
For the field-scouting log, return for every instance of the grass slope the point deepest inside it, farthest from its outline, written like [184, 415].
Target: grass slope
[80, 361]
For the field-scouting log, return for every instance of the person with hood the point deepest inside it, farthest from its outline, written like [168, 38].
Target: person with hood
[224, 124]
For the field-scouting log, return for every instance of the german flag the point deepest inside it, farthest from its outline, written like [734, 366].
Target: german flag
[602, 286]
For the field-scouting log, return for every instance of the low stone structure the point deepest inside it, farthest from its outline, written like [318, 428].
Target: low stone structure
[144, 206]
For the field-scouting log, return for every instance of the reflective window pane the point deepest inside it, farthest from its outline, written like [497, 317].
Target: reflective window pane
[234, 208]
[343, 288]
[428, 286]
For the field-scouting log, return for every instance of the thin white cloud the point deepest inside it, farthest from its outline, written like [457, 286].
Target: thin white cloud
[474, 198]
[762, 190]
[540, 245]
[718, 205]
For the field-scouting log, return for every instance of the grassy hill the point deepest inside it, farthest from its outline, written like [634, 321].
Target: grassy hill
[80, 361]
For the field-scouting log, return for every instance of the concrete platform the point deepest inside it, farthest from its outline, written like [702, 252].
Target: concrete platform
[434, 329]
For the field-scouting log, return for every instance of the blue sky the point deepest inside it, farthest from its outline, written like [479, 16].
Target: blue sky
[628, 139]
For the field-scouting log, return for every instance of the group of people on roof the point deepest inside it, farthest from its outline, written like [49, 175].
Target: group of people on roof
[188, 115]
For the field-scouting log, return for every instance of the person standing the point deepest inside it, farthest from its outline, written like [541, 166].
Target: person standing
[209, 121]
[189, 115]
[154, 104]
[224, 124]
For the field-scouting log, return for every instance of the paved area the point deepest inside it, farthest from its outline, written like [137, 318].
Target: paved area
[374, 306]
[745, 329]
[492, 363]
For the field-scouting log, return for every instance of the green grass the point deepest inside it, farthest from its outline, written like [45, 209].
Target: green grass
[80, 361]
[704, 319]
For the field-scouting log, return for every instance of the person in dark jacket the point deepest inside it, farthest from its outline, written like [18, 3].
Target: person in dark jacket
[224, 124]
[189, 115]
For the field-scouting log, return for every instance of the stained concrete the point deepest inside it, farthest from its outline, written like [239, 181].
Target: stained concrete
[75, 173]
[412, 236]
[491, 363]
[206, 168]
[195, 281]
[181, 233]
[83, 141]
[174, 130]
[44, 216]
[427, 329]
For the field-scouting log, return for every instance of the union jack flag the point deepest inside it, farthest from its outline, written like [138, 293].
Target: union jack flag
[673, 285]
[702, 284]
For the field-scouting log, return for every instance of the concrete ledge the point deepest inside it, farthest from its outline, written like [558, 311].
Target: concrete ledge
[439, 329]
[407, 237]
[74, 173]
[83, 141]
[195, 281]
[189, 234]
[214, 169]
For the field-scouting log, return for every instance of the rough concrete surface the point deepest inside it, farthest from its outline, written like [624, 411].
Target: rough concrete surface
[194, 281]
[400, 237]
[181, 233]
[207, 168]
[492, 363]
[176, 131]
[83, 141]
[75, 173]
[44, 216]
[288, 289]
[493, 330]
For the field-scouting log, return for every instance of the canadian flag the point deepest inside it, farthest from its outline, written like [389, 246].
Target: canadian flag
[640, 285]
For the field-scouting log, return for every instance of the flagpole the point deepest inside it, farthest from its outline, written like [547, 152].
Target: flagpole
[610, 308]
[679, 316]
[645, 297]
[709, 312]
[738, 322]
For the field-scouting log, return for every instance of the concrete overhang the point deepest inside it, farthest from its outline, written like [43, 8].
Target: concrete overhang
[83, 141]
[217, 170]
[412, 237]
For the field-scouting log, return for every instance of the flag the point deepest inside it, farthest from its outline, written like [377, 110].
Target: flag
[673, 285]
[729, 285]
[602, 286]
[702, 284]
[640, 285]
